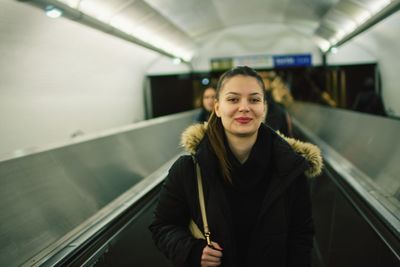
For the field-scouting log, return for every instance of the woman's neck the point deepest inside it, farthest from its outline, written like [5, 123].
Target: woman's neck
[241, 145]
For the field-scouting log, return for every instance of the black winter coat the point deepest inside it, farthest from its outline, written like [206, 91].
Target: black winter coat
[284, 230]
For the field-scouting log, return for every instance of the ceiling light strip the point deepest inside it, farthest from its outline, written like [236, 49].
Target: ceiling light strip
[391, 8]
[76, 15]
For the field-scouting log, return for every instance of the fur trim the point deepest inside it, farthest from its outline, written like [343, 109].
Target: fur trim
[192, 136]
[310, 152]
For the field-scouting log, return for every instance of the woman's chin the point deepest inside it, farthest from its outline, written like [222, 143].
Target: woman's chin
[243, 132]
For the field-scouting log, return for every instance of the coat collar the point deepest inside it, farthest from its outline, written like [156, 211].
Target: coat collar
[194, 134]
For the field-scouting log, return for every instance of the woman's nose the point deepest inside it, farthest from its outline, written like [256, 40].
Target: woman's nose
[244, 106]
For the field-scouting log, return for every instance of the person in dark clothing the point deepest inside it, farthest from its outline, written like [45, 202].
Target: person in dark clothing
[277, 116]
[208, 99]
[369, 102]
[255, 185]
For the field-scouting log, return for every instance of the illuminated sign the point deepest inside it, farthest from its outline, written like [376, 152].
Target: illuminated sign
[298, 60]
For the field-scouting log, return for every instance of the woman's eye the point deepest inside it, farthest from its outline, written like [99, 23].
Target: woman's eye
[255, 100]
[234, 100]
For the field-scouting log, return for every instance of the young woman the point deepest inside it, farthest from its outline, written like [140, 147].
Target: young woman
[208, 99]
[255, 185]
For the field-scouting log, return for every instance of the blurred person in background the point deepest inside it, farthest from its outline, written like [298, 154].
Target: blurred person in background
[277, 116]
[208, 99]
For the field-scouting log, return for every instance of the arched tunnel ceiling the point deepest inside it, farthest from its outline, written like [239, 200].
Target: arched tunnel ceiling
[198, 18]
[180, 27]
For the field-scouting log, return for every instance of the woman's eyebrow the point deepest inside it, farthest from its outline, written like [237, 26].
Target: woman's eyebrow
[231, 93]
[234, 93]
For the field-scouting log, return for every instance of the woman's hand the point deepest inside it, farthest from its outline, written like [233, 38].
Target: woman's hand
[211, 256]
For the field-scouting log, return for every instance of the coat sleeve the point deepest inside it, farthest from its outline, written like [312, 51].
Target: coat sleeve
[172, 215]
[301, 228]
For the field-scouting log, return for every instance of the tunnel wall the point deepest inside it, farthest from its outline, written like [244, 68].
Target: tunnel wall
[59, 78]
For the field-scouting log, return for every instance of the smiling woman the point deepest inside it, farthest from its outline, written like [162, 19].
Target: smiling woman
[241, 107]
[256, 191]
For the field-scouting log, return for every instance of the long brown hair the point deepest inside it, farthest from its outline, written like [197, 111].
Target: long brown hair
[215, 129]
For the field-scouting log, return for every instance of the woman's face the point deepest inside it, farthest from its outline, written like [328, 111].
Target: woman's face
[241, 106]
[209, 99]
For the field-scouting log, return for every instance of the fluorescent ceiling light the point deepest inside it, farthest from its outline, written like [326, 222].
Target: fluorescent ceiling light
[378, 5]
[370, 11]
[349, 27]
[95, 10]
[340, 34]
[322, 43]
[177, 61]
[139, 31]
[53, 12]
[334, 40]
[142, 33]
[362, 17]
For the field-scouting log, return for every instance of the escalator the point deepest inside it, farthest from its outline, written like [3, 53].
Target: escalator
[355, 200]
[354, 226]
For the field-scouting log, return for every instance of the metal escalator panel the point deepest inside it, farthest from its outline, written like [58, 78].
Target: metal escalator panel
[362, 148]
[48, 196]
[355, 206]
[118, 235]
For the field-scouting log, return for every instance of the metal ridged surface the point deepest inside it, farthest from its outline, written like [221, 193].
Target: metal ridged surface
[46, 195]
[363, 148]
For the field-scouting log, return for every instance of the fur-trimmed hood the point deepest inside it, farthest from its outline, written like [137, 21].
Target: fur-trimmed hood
[192, 136]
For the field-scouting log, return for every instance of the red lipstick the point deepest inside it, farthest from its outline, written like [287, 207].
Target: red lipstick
[243, 120]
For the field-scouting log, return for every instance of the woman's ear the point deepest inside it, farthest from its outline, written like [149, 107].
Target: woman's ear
[216, 108]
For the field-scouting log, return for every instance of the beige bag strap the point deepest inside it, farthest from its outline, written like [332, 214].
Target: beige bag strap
[202, 205]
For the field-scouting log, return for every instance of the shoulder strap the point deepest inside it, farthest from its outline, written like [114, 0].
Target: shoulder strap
[202, 205]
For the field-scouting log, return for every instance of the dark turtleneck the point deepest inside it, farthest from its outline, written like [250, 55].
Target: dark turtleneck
[246, 194]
